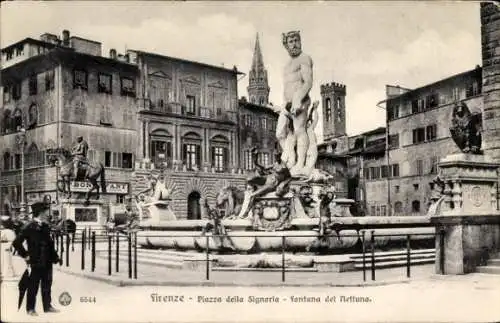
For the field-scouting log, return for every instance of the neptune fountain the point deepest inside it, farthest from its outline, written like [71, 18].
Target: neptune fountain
[290, 198]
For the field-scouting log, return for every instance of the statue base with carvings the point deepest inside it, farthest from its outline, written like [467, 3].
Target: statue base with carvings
[467, 217]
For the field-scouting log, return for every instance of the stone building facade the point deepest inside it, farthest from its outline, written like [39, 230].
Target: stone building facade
[141, 113]
[418, 136]
[187, 128]
[490, 35]
[57, 93]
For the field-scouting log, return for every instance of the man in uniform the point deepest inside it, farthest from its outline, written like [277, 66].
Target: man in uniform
[40, 256]
[79, 154]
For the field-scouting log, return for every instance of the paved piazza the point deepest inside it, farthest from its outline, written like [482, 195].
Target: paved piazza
[455, 299]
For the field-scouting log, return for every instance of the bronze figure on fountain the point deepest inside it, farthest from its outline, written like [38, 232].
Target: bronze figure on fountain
[466, 129]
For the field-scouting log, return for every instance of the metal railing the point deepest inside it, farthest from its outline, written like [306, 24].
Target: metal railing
[88, 240]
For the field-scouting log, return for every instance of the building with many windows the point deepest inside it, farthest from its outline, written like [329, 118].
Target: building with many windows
[58, 90]
[141, 114]
[418, 136]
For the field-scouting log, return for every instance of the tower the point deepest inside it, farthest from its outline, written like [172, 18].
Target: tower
[258, 87]
[333, 99]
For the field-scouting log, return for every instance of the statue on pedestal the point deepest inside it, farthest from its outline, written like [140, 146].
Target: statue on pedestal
[71, 163]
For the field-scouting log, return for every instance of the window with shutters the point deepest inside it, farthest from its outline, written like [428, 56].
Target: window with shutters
[219, 152]
[384, 171]
[191, 151]
[219, 157]
[49, 80]
[33, 85]
[80, 79]
[395, 170]
[118, 159]
[394, 141]
[247, 160]
[192, 156]
[16, 91]
[420, 167]
[6, 161]
[104, 83]
[328, 109]
[433, 162]
[264, 123]
[248, 120]
[431, 132]
[418, 135]
[190, 104]
[17, 161]
[127, 87]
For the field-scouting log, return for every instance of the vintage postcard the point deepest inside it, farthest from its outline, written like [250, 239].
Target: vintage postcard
[214, 161]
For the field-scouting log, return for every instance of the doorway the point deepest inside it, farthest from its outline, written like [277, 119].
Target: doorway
[194, 210]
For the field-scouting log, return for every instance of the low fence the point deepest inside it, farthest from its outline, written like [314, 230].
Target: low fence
[87, 240]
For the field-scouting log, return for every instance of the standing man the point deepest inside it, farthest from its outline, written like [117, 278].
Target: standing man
[40, 256]
[79, 153]
[298, 78]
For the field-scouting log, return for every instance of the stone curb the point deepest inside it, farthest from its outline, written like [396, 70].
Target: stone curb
[119, 282]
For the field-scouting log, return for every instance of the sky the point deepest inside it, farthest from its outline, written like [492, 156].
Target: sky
[364, 45]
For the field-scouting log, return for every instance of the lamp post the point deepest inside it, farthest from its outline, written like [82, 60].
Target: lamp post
[21, 141]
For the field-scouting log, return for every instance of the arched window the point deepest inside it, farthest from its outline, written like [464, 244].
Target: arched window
[328, 109]
[191, 150]
[17, 119]
[6, 121]
[338, 109]
[261, 101]
[161, 147]
[6, 161]
[415, 206]
[219, 152]
[32, 116]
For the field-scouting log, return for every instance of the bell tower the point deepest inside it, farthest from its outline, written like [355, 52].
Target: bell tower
[334, 116]
[258, 87]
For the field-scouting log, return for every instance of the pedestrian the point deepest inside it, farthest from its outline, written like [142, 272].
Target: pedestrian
[40, 257]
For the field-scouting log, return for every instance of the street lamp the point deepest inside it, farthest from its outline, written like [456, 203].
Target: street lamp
[21, 141]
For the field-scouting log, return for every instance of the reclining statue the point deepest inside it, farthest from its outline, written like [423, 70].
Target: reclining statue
[275, 178]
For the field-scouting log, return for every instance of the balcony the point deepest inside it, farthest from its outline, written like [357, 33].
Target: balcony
[173, 108]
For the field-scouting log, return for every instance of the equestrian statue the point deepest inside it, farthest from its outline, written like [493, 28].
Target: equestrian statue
[74, 165]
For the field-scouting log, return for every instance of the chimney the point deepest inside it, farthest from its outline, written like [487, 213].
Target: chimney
[65, 37]
[112, 53]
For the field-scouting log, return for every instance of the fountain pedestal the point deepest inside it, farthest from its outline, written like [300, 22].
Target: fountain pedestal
[469, 218]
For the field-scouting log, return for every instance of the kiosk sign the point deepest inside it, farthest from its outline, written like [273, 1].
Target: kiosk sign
[111, 187]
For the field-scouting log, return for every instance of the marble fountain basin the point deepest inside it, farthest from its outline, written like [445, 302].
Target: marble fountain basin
[241, 237]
